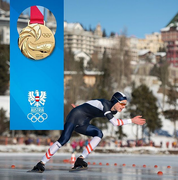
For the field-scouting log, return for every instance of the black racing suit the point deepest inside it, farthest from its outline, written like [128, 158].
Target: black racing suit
[79, 119]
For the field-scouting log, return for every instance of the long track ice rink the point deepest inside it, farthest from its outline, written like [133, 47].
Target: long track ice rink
[102, 167]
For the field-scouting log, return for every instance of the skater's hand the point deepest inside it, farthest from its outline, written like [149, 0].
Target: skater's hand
[138, 120]
[73, 105]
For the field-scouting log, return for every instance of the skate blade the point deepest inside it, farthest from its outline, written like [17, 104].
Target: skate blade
[78, 169]
[35, 171]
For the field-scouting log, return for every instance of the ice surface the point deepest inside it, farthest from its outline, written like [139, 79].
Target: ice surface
[56, 169]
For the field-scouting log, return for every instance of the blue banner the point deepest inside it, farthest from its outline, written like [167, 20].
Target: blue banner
[36, 86]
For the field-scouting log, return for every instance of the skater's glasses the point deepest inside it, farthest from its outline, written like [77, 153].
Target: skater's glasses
[122, 104]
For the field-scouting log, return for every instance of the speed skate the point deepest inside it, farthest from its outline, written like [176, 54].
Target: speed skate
[35, 171]
[79, 168]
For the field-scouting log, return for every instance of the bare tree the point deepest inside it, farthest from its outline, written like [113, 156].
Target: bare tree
[120, 64]
[75, 87]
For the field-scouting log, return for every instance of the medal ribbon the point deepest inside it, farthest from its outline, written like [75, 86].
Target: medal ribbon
[36, 15]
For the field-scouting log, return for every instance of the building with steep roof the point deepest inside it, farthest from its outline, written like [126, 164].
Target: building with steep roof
[170, 37]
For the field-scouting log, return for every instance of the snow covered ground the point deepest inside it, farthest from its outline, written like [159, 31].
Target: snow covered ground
[99, 150]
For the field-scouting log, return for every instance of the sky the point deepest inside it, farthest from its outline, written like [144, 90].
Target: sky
[139, 17]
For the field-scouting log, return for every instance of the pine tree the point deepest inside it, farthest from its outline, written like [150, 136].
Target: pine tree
[172, 113]
[104, 33]
[143, 103]
[90, 29]
[172, 95]
[112, 34]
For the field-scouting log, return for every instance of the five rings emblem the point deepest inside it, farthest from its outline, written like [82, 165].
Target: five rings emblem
[46, 35]
[37, 117]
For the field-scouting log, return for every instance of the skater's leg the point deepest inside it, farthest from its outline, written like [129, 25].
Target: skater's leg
[40, 167]
[91, 146]
[50, 152]
[88, 130]
[65, 136]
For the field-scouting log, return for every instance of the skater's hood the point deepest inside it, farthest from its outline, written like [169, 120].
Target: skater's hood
[117, 97]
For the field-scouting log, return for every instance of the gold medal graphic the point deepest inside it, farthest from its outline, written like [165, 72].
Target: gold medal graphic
[36, 41]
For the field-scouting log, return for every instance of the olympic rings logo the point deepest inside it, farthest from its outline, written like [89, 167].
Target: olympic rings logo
[46, 35]
[37, 117]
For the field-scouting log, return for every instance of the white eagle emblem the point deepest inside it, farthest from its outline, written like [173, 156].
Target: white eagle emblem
[37, 99]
